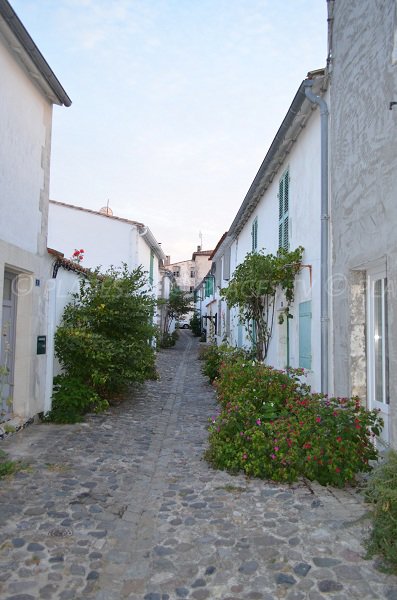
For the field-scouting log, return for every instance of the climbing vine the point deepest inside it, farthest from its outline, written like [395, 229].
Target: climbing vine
[253, 289]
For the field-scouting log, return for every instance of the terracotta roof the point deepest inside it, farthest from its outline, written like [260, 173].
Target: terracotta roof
[68, 264]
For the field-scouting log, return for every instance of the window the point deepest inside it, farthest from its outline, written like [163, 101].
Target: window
[378, 355]
[192, 274]
[175, 273]
[283, 205]
[254, 235]
[305, 335]
[378, 351]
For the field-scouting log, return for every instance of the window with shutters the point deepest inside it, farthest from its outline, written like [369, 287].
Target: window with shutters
[305, 335]
[209, 286]
[283, 206]
[254, 235]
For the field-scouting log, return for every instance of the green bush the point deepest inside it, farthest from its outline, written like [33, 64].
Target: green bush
[213, 356]
[71, 399]
[381, 492]
[270, 425]
[104, 341]
[167, 340]
[195, 324]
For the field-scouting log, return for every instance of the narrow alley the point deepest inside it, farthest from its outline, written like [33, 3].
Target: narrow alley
[123, 506]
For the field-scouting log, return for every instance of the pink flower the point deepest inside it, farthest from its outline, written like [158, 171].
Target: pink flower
[258, 422]
[245, 457]
[276, 448]
[273, 456]
[318, 419]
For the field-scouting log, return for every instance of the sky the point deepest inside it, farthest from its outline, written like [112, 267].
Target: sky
[174, 103]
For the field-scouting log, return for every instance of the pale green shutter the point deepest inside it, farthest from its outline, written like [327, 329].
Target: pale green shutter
[283, 209]
[305, 335]
[151, 272]
[254, 235]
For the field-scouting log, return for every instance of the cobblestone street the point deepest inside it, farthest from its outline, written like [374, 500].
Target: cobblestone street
[123, 506]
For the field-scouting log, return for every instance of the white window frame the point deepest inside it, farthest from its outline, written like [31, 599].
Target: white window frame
[377, 273]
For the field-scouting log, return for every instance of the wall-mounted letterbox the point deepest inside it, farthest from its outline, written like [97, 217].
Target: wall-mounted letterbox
[41, 344]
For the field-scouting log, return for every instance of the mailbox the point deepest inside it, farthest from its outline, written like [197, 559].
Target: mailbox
[41, 344]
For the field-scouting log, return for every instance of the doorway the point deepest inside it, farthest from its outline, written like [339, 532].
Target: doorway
[7, 357]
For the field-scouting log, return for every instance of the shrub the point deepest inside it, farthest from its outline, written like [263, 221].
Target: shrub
[270, 425]
[71, 399]
[214, 356]
[382, 493]
[104, 341]
[195, 324]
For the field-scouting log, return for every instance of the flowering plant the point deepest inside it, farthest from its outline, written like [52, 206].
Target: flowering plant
[78, 256]
[271, 425]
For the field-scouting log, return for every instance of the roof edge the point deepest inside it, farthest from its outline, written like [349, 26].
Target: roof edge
[22, 35]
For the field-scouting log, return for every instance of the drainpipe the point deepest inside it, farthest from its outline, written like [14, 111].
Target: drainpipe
[324, 233]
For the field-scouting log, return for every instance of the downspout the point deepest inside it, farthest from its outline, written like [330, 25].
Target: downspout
[324, 233]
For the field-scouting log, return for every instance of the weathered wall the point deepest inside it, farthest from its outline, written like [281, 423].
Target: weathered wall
[363, 171]
[25, 126]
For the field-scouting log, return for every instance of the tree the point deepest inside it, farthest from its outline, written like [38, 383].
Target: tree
[253, 288]
[177, 305]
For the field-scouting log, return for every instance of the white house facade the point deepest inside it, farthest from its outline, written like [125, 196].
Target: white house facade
[107, 241]
[29, 89]
[282, 209]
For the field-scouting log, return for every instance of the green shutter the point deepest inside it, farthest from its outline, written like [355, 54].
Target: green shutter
[305, 335]
[283, 208]
[151, 272]
[254, 235]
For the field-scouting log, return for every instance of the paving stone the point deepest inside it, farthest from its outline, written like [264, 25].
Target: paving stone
[34, 547]
[285, 579]
[302, 569]
[328, 585]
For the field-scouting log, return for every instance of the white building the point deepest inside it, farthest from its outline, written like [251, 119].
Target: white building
[282, 209]
[108, 241]
[29, 89]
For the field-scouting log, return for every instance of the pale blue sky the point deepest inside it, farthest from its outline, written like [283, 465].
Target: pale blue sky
[175, 102]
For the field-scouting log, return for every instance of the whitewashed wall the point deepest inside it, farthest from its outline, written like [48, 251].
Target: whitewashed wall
[25, 141]
[25, 126]
[105, 241]
[303, 164]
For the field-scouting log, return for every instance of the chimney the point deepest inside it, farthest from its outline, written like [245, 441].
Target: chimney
[167, 261]
[198, 248]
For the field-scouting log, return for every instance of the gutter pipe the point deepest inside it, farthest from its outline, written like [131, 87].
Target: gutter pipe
[314, 99]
